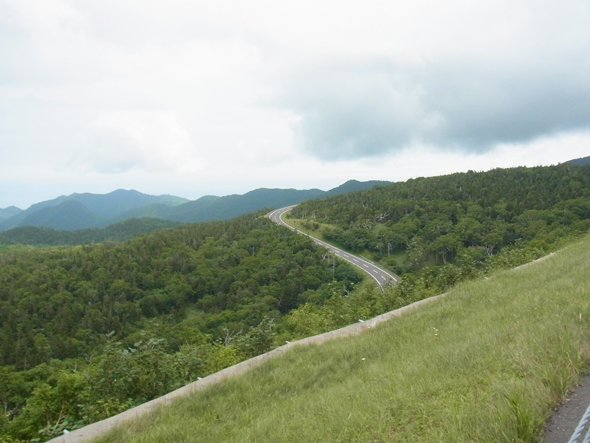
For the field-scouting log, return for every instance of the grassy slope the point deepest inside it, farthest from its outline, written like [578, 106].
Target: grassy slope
[484, 364]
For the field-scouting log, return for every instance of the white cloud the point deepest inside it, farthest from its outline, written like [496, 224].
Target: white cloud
[219, 96]
[121, 141]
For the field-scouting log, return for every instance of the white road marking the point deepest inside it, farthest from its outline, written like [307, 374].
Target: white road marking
[370, 268]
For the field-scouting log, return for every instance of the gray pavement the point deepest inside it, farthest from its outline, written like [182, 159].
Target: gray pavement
[567, 418]
[381, 276]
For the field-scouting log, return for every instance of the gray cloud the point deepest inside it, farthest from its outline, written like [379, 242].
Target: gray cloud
[364, 109]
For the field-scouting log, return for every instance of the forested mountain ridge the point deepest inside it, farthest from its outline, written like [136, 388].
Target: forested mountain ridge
[6, 213]
[211, 208]
[111, 287]
[354, 185]
[89, 210]
[124, 230]
[68, 215]
[437, 219]
[223, 208]
[83, 211]
[580, 161]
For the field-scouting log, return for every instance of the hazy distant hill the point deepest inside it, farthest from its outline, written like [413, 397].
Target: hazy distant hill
[580, 161]
[212, 208]
[41, 235]
[151, 211]
[82, 211]
[6, 213]
[223, 208]
[67, 215]
[115, 203]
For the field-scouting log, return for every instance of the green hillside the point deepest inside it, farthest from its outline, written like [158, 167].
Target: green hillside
[68, 215]
[81, 211]
[354, 185]
[89, 331]
[124, 230]
[229, 206]
[486, 363]
[92, 330]
[6, 213]
[581, 161]
[450, 219]
[210, 208]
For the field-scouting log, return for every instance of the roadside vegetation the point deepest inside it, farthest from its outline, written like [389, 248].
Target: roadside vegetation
[485, 363]
[88, 331]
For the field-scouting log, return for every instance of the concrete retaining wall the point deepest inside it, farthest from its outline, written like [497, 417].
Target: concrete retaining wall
[95, 429]
[100, 427]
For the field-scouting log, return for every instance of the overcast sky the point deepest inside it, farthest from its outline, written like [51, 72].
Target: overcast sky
[197, 97]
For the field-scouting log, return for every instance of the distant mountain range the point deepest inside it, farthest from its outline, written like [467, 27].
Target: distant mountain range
[81, 211]
[124, 230]
[8, 212]
[84, 211]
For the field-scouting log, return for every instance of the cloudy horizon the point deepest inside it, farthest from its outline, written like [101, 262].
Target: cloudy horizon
[222, 97]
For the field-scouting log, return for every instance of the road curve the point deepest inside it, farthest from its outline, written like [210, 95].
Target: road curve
[380, 275]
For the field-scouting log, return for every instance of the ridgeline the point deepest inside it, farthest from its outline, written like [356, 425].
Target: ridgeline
[89, 331]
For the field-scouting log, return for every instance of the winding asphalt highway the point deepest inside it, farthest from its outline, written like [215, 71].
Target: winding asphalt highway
[380, 275]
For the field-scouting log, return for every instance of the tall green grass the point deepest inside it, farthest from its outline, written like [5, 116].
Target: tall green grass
[486, 363]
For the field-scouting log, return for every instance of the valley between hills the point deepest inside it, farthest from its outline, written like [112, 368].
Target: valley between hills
[92, 329]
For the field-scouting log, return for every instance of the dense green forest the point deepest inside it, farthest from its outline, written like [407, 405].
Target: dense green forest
[43, 236]
[435, 232]
[89, 331]
[488, 363]
[456, 218]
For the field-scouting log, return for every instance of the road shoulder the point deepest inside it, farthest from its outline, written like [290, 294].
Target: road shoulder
[565, 418]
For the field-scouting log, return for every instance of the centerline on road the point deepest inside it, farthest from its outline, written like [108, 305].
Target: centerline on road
[380, 275]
